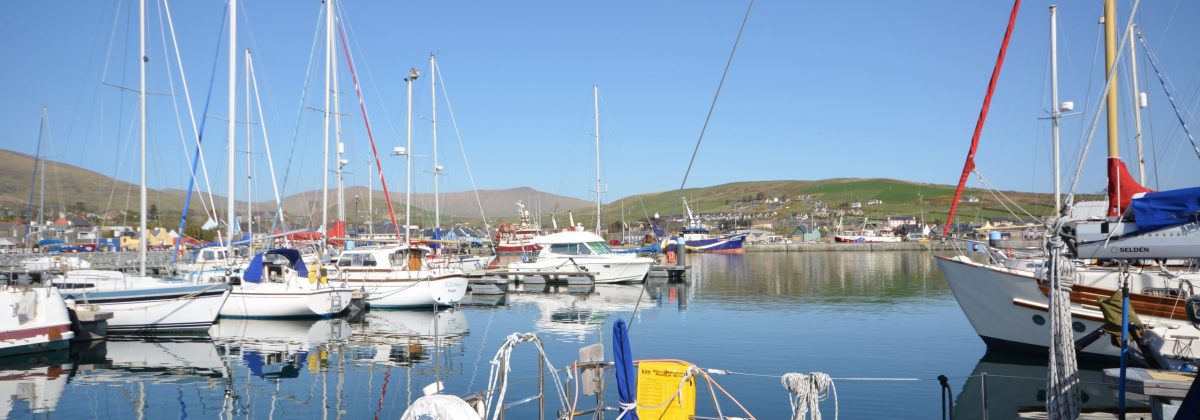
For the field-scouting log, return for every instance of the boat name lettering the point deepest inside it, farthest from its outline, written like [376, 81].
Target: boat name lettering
[1126, 250]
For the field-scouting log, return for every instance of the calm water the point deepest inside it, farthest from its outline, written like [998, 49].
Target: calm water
[853, 315]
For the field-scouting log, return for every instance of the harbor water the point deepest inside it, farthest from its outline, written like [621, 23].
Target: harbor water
[883, 325]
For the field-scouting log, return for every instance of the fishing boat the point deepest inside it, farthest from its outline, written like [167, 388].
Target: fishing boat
[699, 239]
[517, 238]
[398, 276]
[277, 284]
[37, 320]
[867, 233]
[1007, 300]
[585, 251]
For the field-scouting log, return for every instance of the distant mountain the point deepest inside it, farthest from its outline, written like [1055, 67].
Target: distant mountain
[67, 185]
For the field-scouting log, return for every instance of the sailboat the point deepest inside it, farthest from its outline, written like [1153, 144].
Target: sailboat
[276, 283]
[1008, 303]
[140, 303]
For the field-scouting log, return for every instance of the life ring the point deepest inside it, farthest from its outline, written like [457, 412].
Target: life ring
[671, 258]
[1009, 253]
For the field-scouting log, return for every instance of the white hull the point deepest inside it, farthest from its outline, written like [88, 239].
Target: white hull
[278, 300]
[146, 305]
[605, 270]
[410, 289]
[35, 319]
[1005, 306]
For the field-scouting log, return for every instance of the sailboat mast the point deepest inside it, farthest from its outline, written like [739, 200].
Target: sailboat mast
[249, 172]
[325, 130]
[142, 120]
[337, 140]
[1110, 57]
[596, 105]
[230, 196]
[412, 76]
[437, 207]
[1137, 104]
[1055, 113]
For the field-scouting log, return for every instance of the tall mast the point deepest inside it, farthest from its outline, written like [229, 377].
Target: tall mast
[142, 119]
[1137, 104]
[249, 172]
[230, 196]
[596, 105]
[1110, 57]
[412, 76]
[337, 140]
[437, 206]
[1055, 115]
[325, 131]
[370, 198]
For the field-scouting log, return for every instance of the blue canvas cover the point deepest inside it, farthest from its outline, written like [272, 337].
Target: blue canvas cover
[254, 272]
[1163, 209]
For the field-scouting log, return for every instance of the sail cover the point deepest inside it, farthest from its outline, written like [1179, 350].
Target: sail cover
[1158, 210]
[254, 272]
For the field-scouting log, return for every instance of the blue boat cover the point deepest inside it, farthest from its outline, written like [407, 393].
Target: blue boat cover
[437, 235]
[44, 242]
[626, 376]
[1163, 209]
[254, 272]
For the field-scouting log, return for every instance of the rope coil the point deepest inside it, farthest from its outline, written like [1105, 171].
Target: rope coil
[807, 393]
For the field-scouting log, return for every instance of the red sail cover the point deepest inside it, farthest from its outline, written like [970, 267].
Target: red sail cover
[1121, 187]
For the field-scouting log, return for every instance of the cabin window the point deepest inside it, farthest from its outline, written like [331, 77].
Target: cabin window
[210, 256]
[569, 249]
[368, 260]
[347, 260]
[598, 248]
[399, 259]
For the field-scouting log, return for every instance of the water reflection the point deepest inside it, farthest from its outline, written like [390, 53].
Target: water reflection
[891, 277]
[33, 384]
[406, 337]
[577, 311]
[1016, 388]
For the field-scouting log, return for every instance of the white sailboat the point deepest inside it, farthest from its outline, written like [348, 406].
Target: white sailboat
[275, 283]
[139, 303]
[1008, 303]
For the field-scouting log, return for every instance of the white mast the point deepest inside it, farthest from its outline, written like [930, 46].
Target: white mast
[1137, 105]
[142, 118]
[230, 194]
[596, 104]
[412, 76]
[437, 207]
[325, 131]
[1055, 115]
[249, 172]
[337, 132]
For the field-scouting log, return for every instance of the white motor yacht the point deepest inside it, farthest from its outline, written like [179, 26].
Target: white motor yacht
[399, 276]
[585, 251]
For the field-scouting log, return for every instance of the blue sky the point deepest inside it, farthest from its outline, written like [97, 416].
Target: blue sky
[817, 90]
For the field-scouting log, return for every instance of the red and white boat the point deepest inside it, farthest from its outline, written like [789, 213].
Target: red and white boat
[518, 238]
[37, 322]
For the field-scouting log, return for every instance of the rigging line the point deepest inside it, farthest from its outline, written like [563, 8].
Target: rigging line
[1001, 197]
[461, 148]
[1070, 199]
[621, 152]
[366, 65]
[362, 106]
[1167, 91]
[33, 183]
[191, 112]
[198, 131]
[266, 140]
[276, 223]
[712, 107]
